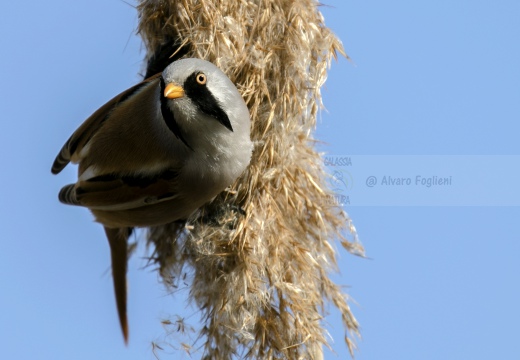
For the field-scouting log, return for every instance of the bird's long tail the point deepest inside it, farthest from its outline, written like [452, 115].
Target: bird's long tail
[118, 241]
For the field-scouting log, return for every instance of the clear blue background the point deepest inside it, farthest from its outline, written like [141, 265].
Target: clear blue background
[434, 78]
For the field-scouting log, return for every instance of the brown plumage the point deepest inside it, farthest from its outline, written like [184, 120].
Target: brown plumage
[156, 153]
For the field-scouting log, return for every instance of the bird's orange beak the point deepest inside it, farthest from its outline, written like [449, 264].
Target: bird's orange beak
[172, 91]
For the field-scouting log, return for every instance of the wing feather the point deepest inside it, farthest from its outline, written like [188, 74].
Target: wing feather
[115, 192]
[84, 133]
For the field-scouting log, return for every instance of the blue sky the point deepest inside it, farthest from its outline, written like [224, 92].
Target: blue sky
[429, 78]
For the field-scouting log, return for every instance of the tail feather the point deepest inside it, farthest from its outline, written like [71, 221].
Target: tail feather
[118, 241]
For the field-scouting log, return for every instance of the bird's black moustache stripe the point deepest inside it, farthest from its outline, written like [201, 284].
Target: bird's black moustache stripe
[168, 117]
[205, 101]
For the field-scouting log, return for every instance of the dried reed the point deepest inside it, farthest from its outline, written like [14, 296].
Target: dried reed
[259, 256]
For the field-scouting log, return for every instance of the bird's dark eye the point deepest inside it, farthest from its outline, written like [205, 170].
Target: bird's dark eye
[201, 79]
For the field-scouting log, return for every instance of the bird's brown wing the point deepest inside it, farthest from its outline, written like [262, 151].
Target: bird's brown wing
[113, 192]
[85, 132]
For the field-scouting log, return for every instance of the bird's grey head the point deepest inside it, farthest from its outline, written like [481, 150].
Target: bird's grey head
[205, 111]
[195, 88]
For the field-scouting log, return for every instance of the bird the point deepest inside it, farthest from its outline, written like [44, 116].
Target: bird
[156, 153]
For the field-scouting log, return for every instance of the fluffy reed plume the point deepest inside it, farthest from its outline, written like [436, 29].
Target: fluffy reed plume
[258, 257]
